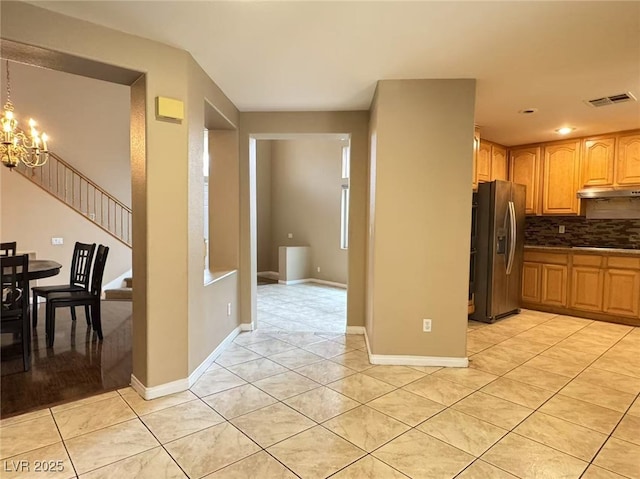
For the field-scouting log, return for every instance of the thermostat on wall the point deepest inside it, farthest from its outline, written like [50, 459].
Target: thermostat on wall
[169, 108]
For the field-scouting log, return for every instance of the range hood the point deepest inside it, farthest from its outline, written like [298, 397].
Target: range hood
[609, 193]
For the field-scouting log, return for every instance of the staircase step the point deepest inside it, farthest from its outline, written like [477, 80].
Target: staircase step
[128, 282]
[124, 294]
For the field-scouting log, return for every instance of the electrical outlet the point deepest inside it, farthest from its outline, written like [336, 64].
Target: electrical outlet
[228, 309]
[289, 235]
[318, 269]
[57, 241]
[561, 229]
[426, 325]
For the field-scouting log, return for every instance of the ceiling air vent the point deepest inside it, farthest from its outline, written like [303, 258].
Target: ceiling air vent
[611, 100]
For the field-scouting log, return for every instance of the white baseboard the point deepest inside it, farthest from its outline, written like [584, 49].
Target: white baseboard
[402, 360]
[405, 360]
[328, 283]
[313, 280]
[183, 384]
[356, 330]
[246, 326]
[293, 281]
[160, 390]
[269, 274]
[204, 365]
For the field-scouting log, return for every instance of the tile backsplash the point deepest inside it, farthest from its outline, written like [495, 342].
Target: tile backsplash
[580, 231]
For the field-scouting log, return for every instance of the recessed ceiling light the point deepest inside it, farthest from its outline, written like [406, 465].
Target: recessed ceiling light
[528, 111]
[565, 130]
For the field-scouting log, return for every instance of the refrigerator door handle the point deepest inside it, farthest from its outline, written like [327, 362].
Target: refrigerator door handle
[512, 236]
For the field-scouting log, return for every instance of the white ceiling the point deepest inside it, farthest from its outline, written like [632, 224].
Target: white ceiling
[300, 56]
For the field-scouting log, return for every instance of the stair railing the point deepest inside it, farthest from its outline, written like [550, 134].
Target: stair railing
[68, 185]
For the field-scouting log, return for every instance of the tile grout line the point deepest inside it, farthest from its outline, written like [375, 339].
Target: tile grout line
[64, 444]
[558, 392]
[119, 395]
[225, 421]
[361, 372]
[610, 435]
[160, 443]
[396, 388]
[320, 424]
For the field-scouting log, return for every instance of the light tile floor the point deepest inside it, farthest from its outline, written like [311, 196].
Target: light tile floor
[545, 397]
[302, 307]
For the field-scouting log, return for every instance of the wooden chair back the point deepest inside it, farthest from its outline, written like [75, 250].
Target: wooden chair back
[8, 249]
[81, 264]
[98, 270]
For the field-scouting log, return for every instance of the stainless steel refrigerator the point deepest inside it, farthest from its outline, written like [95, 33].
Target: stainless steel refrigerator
[499, 250]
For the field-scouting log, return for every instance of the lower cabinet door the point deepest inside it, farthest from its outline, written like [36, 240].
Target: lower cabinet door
[554, 285]
[622, 292]
[531, 282]
[587, 287]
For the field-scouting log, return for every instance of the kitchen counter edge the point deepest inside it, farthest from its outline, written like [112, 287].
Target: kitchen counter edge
[585, 249]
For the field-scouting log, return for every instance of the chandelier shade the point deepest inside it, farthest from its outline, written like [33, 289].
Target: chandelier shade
[17, 146]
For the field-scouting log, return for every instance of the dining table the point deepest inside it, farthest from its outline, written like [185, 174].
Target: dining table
[38, 269]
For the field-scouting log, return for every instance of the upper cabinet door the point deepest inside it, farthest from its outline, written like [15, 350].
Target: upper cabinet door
[598, 161]
[524, 168]
[484, 162]
[628, 164]
[498, 163]
[561, 170]
[476, 147]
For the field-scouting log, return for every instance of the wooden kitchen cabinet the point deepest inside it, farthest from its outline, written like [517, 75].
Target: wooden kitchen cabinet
[476, 147]
[604, 286]
[553, 288]
[598, 161]
[561, 168]
[483, 168]
[554, 172]
[524, 168]
[531, 273]
[628, 160]
[499, 164]
[587, 286]
[622, 292]
[490, 161]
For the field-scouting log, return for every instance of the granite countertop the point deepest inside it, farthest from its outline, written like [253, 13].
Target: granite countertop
[587, 249]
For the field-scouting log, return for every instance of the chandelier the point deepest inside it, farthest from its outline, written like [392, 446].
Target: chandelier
[15, 146]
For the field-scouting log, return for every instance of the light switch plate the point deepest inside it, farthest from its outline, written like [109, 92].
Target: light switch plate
[57, 241]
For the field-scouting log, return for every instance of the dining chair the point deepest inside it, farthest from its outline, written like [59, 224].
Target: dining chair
[8, 249]
[14, 312]
[78, 280]
[88, 298]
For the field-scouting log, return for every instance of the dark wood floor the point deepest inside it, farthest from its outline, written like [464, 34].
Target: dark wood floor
[79, 365]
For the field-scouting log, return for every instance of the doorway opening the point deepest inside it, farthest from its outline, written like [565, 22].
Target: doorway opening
[300, 204]
[74, 94]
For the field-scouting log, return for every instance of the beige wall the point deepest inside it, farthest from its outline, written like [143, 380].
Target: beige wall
[87, 121]
[78, 114]
[263, 205]
[223, 200]
[306, 187]
[269, 125]
[169, 307]
[423, 135]
[207, 302]
[32, 217]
